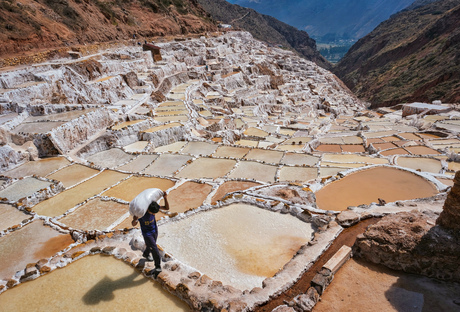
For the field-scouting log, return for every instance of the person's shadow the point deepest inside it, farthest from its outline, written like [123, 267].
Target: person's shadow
[105, 288]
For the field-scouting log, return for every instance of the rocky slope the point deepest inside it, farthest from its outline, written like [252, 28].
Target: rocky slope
[413, 56]
[265, 28]
[43, 24]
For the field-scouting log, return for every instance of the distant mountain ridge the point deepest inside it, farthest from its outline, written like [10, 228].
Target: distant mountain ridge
[265, 28]
[351, 19]
[413, 56]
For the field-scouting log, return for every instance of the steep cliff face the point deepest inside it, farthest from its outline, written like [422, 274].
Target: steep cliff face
[42, 24]
[265, 28]
[413, 56]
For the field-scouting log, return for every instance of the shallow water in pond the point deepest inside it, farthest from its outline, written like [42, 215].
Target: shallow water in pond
[167, 164]
[94, 283]
[28, 245]
[207, 168]
[423, 164]
[66, 200]
[273, 157]
[230, 151]
[232, 186]
[96, 214]
[10, 216]
[188, 196]
[40, 167]
[110, 158]
[73, 174]
[367, 186]
[37, 127]
[385, 290]
[331, 148]
[199, 148]
[131, 187]
[138, 164]
[299, 159]
[23, 188]
[216, 244]
[422, 150]
[253, 170]
[297, 174]
[138, 146]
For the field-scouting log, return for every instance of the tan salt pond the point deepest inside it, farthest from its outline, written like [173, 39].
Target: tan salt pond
[199, 148]
[367, 186]
[138, 146]
[423, 164]
[171, 118]
[27, 245]
[255, 132]
[73, 174]
[395, 151]
[23, 188]
[94, 283]
[68, 199]
[163, 127]
[130, 188]
[298, 159]
[171, 148]
[297, 174]
[216, 243]
[40, 167]
[330, 171]
[361, 286]
[247, 143]
[10, 216]
[264, 155]
[347, 158]
[167, 164]
[110, 158]
[232, 186]
[454, 166]
[188, 196]
[230, 151]
[96, 214]
[212, 168]
[297, 140]
[253, 170]
[138, 164]
[353, 148]
[330, 148]
[37, 127]
[422, 150]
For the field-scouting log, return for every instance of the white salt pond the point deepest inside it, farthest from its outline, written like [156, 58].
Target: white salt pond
[110, 158]
[23, 188]
[40, 167]
[167, 164]
[73, 174]
[94, 283]
[240, 244]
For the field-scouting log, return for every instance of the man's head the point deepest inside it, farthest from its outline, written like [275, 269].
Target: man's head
[154, 207]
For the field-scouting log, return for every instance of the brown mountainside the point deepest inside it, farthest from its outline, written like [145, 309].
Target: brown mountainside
[413, 56]
[265, 28]
[29, 25]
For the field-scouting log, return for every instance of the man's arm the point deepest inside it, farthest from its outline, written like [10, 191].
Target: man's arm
[166, 206]
[134, 222]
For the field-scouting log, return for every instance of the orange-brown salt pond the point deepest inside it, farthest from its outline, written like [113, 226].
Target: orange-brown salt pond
[367, 186]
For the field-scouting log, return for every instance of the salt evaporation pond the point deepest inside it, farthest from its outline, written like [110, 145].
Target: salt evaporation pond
[232, 186]
[253, 170]
[367, 186]
[131, 187]
[216, 243]
[28, 245]
[94, 283]
[73, 174]
[96, 214]
[68, 199]
[207, 168]
[361, 286]
[23, 188]
[40, 167]
[10, 216]
[167, 164]
[110, 158]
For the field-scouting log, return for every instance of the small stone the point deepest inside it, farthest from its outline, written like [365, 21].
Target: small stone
[77, 254]
[236, 306]
[41, 263]
[95, 249]
[2, 287]
[182, 289]
[30, 265]
[11, 283]
[174, 267]
[347, 218]
[194, 275]
[283, 308]
[108, 250]
[109, 235]
[45, 269]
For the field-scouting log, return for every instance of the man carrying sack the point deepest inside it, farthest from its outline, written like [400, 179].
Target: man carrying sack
[143, 209]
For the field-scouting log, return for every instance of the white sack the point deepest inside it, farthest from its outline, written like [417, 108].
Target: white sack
[139, 205]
